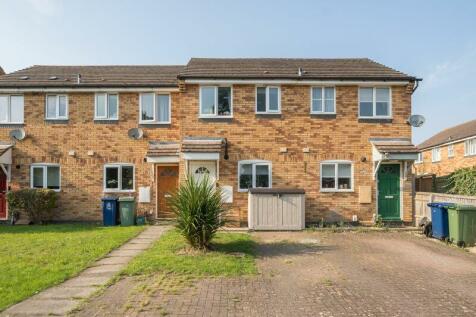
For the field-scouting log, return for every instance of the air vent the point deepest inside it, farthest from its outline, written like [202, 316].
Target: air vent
[24, 77]
[53, 78]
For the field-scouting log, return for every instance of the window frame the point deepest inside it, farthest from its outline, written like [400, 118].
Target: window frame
[119, 176]
[433, 159]
[9, 108]
[336, 176]
[323, 100]
[154, 108]
[419, 159]
[215, 115]
[106, 117]
[267, 100]
[452, 154]
[255, 163]
[57, 116]
[467, 147]
[374, 103]
[44, 167]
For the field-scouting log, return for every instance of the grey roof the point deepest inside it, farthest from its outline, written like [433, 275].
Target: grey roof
[394, 146]
[92, 76]
[287, 68]
[458, 132]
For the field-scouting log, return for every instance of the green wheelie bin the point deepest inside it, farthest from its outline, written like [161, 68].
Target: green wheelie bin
[462, 225]
[127, 210]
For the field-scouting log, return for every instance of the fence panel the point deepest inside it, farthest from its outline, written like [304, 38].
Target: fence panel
[423, 198]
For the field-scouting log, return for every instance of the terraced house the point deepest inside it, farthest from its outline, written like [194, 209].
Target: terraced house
[336, 128]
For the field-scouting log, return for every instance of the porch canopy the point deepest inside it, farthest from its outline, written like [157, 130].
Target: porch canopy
[202, 148]
[163, 152]
[6, 158]
[392, 149]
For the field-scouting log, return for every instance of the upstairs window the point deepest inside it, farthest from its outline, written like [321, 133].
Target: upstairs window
[154, 108]
[56, 107]
[336, 176]
[107, 106]
[45, 176]
[323, 100]
[216, 101]
[268, 100]
[254, 174]
[436, 154]
[11, 109]
[470, 147]
[451, 151]
[118, 177]
[419, 158]
[375, 103]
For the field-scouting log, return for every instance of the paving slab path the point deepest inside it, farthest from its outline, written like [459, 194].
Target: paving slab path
[59, 300]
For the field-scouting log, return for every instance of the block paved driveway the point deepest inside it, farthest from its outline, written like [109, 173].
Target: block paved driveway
[320, 274]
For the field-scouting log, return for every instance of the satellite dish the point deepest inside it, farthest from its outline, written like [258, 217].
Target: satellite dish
[416, 120]
[17, 134]
[135, 133]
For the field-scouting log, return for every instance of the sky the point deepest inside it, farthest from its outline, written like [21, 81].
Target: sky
[434, 40]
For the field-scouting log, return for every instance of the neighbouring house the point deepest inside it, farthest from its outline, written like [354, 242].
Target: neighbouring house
[336, 128]
[2, 72]
[443, 153]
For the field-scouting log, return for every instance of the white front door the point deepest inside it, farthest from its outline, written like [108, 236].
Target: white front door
[200, 169]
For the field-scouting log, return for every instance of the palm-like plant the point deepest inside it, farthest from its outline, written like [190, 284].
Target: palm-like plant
[199, 208]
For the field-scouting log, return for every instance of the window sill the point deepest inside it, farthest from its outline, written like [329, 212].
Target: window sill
[109, 191]
[436, 161]
[268, 114]
[216, 118]
[324, 115]
[336, 190]
[106, 121]
[375, 119]
[9, 125]
[57, 121]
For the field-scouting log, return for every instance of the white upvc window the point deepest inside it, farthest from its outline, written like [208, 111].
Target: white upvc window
[451, 150]
[56, 107]
[254, 174]
[45, 175]
[268, 100]
[119, 177]
[323, 100]
[11, 109]
[419, 158]
[155, 108]
[375, 103]
[337, 176]
[216, 101]
[470, 147]
[106, 106]
[436, 154]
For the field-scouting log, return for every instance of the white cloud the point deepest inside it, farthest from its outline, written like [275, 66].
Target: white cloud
[46, 7]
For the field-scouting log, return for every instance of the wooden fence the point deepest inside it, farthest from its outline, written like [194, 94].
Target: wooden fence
[423, 198]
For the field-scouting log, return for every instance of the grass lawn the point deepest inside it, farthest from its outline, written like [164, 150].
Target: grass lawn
[33, 258]
[232, 255]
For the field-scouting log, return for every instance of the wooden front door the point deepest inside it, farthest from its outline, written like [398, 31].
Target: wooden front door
[389, 191]
[167, 183]
[3, 194]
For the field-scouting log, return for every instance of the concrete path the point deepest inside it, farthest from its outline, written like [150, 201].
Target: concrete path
[61, 299]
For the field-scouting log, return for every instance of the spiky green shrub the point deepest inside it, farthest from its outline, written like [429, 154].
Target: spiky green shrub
[199, 209]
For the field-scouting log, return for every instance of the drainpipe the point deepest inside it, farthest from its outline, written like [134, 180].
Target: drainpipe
[417, 84]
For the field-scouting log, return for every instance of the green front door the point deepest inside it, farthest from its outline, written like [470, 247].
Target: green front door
[389, 191]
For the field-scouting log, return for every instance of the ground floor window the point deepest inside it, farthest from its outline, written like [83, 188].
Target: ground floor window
[45, 176]
[118, 177]
[254, 174]
[336, 176]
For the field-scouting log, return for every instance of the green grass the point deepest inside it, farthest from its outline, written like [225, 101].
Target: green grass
[232, 255]
[33, 258]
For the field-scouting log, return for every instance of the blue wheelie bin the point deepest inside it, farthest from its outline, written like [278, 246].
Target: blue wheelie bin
[439, 219]
[109, 211]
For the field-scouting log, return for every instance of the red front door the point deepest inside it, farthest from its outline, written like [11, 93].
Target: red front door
[3, 193]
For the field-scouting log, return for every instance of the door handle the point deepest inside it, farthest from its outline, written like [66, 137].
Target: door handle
[388, 197]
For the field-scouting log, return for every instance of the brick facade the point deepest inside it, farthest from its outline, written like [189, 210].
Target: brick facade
[250, 136]
[446, 165]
